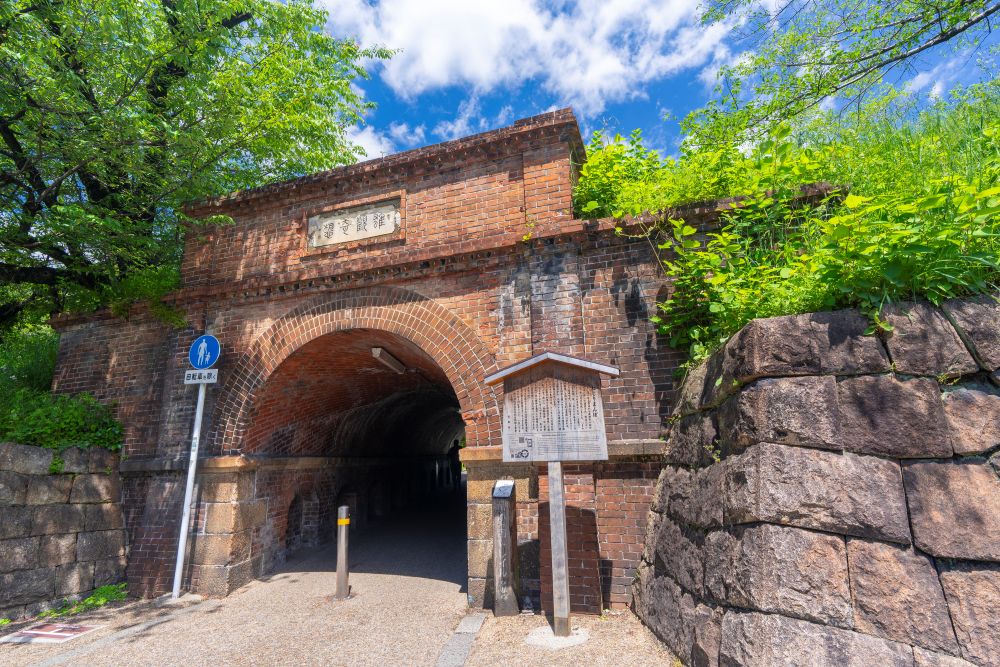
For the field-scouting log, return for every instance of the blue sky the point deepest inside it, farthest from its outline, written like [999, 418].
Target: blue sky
[467, 66]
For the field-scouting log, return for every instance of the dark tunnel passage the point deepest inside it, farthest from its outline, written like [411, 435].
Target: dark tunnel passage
[366, 419]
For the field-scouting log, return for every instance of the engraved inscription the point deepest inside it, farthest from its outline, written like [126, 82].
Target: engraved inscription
[353, 224]
[554, 415]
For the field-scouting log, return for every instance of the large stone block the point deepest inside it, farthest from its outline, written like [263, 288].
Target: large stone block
[75, 460]
[221, 580]
[769, 640]
[101, 460]
[954, 508]
[692, 497]
[25, 586]
[13, 488]
[812, 344]
[810, 488]
[48, 489]
[692, 441]
[679, 553]
[226, 487]
[95, 488]
[973, 412]
[74, 578]
[25, 459]
[692, 388]
[480, 558]
[883, 415]
[978, 322]
[234, 517]
[897, 595]
[670, 612]
[15, 522]
[480, 521]
[221, 548]
[58, 549]
[973, 593]
[792, 411]
[923, 342]
[54, 519]
[109, 571]
[19, 554]
[106, 516]
[924, 658]
[783, 570]
[100, 544]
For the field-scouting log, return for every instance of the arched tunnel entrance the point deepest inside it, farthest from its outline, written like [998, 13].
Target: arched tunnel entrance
[364, 418]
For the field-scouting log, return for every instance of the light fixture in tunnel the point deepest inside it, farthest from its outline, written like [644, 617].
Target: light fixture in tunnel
[392, 362]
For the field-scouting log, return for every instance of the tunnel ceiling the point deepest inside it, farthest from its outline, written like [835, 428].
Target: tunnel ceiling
[331, 397]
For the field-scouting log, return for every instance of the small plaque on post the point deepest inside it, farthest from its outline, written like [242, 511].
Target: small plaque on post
[552, 409]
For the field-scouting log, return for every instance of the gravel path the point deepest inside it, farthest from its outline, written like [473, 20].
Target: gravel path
[408, 580]
[618, 638]
[408, 585]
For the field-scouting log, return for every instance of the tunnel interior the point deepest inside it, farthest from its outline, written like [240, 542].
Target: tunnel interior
[363, 418]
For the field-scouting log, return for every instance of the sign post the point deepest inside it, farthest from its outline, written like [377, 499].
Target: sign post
[553, 412]
[203, 354]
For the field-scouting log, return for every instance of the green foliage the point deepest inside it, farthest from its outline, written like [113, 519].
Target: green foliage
[100, 597]
[57, 422]
[28, 357]
[916, 217]
[114, 113]
[797, 54]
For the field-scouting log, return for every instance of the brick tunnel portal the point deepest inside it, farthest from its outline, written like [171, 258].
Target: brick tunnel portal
[358, 417]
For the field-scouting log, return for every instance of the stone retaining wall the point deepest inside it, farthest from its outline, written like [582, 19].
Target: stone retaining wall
[61, 535]
[832, 498]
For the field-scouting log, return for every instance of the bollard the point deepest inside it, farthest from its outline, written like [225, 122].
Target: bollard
[343, 523]
[504, 550]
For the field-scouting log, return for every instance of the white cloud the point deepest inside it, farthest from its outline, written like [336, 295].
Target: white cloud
[939, 79]
[586, 53]
[374, 143]
[404, 135]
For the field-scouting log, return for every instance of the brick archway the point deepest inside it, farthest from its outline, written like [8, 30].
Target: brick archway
[462, 357]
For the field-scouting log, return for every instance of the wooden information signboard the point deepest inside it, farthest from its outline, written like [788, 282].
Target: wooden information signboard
[552, 412]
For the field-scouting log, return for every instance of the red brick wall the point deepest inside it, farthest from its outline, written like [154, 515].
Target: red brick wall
[457, 294]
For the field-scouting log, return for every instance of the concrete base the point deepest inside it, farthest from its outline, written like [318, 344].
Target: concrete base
[545, 638]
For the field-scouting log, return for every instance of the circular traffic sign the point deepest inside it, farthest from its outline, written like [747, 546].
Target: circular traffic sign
[204, 352]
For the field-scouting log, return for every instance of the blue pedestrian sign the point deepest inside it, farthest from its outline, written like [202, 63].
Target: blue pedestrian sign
[204, 352]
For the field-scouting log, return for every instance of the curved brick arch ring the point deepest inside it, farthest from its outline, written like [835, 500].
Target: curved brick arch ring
[453, 346]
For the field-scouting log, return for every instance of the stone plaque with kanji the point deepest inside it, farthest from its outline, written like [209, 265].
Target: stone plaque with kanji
[553, 411]
[353, 224]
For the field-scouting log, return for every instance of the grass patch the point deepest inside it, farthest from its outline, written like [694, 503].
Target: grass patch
[99, 598]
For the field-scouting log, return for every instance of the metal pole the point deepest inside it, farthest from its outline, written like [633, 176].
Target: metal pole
[188, 491]
[343, 523]
[560, 569]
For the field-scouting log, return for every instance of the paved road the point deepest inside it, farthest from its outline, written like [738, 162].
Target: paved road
[408, 576]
